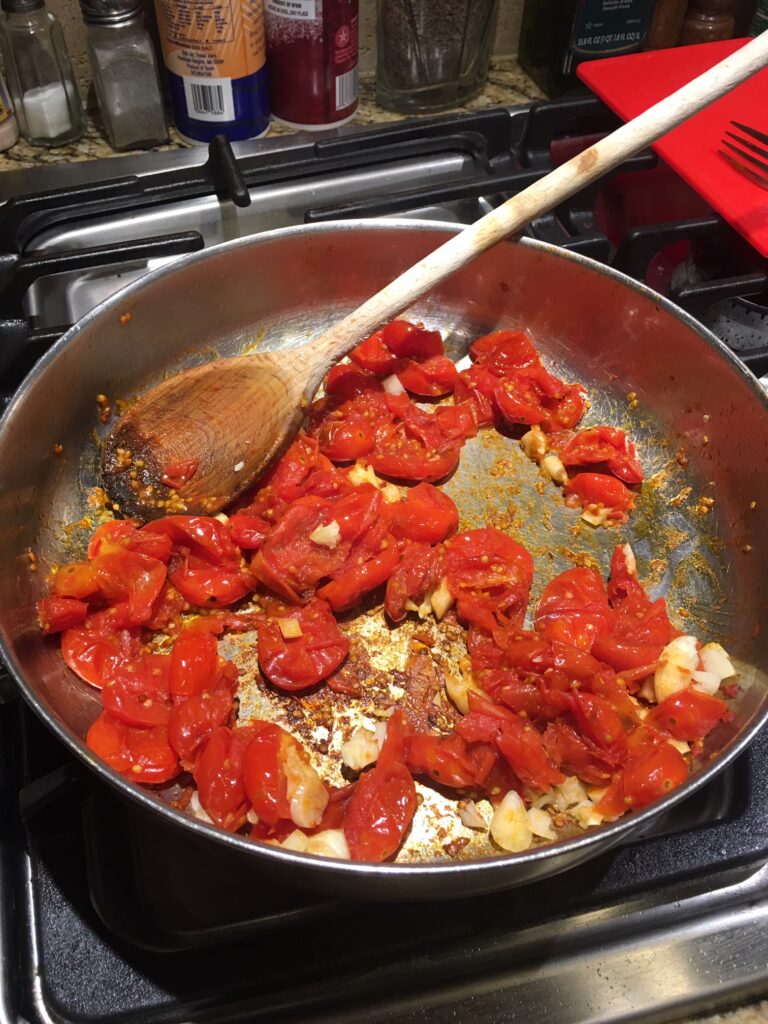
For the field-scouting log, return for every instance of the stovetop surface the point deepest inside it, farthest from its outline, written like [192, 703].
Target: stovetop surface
[105, 916]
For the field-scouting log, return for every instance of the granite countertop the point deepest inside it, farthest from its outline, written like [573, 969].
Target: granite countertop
[507, 84]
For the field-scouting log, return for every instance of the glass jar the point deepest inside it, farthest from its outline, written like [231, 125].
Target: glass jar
[432, 54]
[125, 73]
[40, 76]
[708, 21]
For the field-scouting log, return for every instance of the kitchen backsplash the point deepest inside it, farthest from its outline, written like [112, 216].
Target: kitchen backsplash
[507, 33]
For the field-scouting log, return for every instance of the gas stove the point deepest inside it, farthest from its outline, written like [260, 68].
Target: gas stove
[105, 915]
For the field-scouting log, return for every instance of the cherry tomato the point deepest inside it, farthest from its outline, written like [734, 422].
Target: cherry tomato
[412, 340]
[265, 778]
[503, 351]
[475, 390]
[598, 489]
[139, 754]
[194, 662]
[126, 576]
[204, 536]
[168, 606]
[125, 535]
[177, 474]
[531, 396]
[354, 581]
[426, 515]
[457, 422]
[210, 586]
[521, 747]
[653, 775]
[687, 715]
[416, 573]
[490, 575]
[576, 755]
[190, 722]
[107, 738]
[346, 440]
[94, 654]
[445, 759]
[248, 531]
[299, 662]
[411, 461]
[218, 773]
[76, 580]
[138, 694]
[379, 812]
[574, 608]
[58, 613]
[599, 722]
[345, 381]
[434, 377]
[604, 444]
[374, 356]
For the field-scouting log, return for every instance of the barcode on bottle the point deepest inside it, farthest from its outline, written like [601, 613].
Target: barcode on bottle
[209, 100]
[346, 89]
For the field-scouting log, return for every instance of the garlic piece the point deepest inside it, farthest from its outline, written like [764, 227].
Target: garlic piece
[391, 494]
[595, 515]
[393, 385]
[364, 474]
[554, 468]
[680, 745]
[290, 628]
[306, 794]
[677, 663]
[457, 688]
[327, 536]
[441, 599]
[296, 841]
[471, 815]
[330, 842]
[630, 563]
[510, 828]
[360, 750]
[570, 792]
[586, 815]
[540, 823]
[705, 682]
[197, 810]
[714, 658]
[534, 443]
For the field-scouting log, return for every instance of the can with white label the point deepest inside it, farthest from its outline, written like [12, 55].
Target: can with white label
[312, 61]
[215, 55]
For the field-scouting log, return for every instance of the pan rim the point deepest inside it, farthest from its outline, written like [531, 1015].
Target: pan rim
[605, 835]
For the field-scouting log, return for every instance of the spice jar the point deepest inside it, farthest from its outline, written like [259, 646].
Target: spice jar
[40, 75]
[432, 54]
[9, 128]
[708, 21]
[125, 73]
[667, 24]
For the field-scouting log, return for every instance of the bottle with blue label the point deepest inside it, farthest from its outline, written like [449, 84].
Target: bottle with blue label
[215, 59]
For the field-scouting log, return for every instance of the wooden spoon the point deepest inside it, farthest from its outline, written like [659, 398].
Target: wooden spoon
[212, 430]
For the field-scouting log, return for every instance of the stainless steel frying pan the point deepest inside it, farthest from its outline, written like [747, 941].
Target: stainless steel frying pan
[700, 420]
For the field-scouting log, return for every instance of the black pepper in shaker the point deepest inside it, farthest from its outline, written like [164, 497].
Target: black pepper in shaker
[125, 73]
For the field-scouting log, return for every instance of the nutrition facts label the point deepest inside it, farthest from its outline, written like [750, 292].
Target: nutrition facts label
[193, 21]
[212, 38]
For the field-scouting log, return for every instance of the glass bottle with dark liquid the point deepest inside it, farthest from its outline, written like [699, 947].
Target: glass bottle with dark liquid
[557, 35]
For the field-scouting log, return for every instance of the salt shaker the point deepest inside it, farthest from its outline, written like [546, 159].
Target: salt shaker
[125, 73]
[40, 75]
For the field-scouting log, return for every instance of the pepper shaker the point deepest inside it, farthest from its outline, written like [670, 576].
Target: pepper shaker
[125, 73]
[708, 21]
[40, 75]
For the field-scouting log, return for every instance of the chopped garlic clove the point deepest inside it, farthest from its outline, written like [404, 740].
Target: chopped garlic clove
[296, 841]
[290, 628]
[534, 443]
[393, 385]
[586, 815]
[441, 599]
[196, 809]
[327, 536]
[540, 823]
[509, 826]
[680, 745]
[471, 815]
[572, 791]
[630, 563]
[330, 842]
[595, 515]
[360, 750]
[364, 474]
[457, 688]
[677, 663]
[252, 816]
[554, 468]
[391, 494]
[305, 791]
[714, 658]
[705, 682]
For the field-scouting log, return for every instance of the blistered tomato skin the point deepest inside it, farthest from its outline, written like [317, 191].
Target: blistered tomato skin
[544, 710]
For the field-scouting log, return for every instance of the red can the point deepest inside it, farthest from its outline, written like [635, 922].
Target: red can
[312, 61]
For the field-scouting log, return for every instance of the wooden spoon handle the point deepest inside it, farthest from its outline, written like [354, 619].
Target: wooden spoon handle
[538, 198]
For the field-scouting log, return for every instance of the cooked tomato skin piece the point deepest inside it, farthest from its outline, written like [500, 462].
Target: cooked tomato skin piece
[248, 531]
[131, 578]
[345, 381]
[576, 755]
[347, 589]
[598, 489]
[346, 440]
[59, 613]
[265, 779]
[445, 759]
[124, 534]
[374, 356]
[218, 773]
[139, 695]
[412, 340]
[296, 664]
[574, 608]
[76, 580]
[434, 377]
[210, 586]
[604, 444]
[93, 653]
[204, 536]
[194, 662]
[521, 746]
[426, 515]
[417, 572]
[379, 812]
[192, 721]
[687, 715]
[503, 351]
[654, 773]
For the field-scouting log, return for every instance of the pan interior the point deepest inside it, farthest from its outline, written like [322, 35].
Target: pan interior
[697, 421]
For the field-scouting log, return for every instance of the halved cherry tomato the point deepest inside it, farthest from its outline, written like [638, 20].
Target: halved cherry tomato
[93, 654]
[210, 586]
[355, 580]
[248, 531]
[503, 351]
[143, 755]
[194, 662]
[374, 356]
[687, 715]
[125, 535]
[379, 812]
[346, 440]
[299, 662]
[107, 738]
[345, 381]
[265, 778]
[521, 747]
[445, 759]
[599, 722]
[77, 579]
[412, 340]
[598, 489]
[58, 613]
[651, 776]
[190, 722]
[604, 444]
[574, 608]
[434, 377]
[204, 536]
[417, 572]
[126, 576]
[532, 395]
[490, 576]
[426, 515]
[218, 773]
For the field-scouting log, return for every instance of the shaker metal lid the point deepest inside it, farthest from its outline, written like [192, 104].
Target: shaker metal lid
[21, 6]
[106, 12]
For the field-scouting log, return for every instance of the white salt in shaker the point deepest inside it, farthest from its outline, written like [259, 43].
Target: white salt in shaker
[40, 76]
